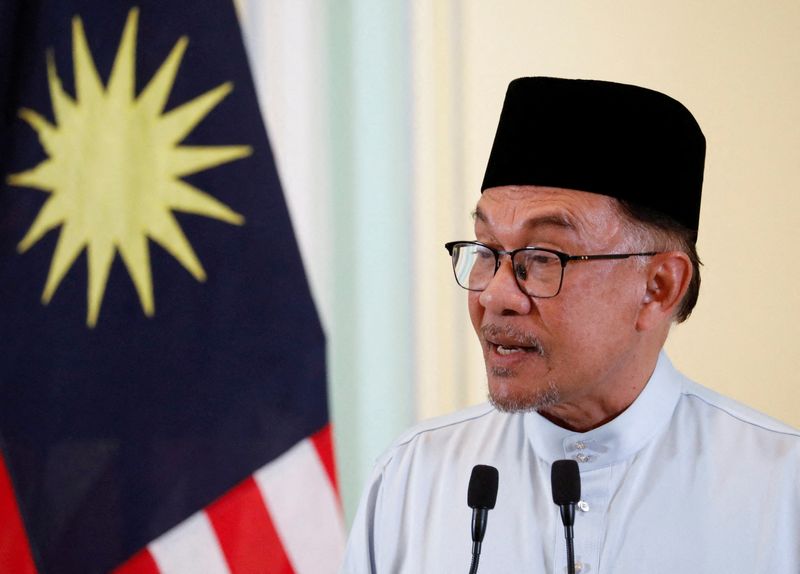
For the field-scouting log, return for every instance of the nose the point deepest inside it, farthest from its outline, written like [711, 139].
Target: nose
[503, 296]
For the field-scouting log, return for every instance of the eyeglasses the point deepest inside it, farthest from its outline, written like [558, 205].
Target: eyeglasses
[539, 271]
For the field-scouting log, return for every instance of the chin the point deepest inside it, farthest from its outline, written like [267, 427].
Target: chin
[507, 396]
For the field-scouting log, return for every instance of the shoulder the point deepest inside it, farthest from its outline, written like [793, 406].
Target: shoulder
[448, 424]
[727, 415]
[470, 429]
[740, 449]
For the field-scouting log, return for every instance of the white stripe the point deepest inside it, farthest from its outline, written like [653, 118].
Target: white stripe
[286, 41]
[189, 548]
[304, 509]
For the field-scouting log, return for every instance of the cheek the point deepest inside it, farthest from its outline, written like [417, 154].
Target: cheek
[475, 309]
[598, 312]
[612, 285]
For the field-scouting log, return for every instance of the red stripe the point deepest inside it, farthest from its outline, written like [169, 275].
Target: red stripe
[246, 533]
[141, 563]
[323, 442]
[15, 553]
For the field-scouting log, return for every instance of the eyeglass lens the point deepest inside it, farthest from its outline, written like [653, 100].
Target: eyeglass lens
[538, 272]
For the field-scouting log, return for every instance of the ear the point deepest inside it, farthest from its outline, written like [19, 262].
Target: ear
[668, 275]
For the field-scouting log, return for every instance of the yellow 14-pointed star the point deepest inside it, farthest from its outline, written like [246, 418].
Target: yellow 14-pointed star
[114, 167]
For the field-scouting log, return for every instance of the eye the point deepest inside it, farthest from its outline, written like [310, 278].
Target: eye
[535, 257]
[483, 253]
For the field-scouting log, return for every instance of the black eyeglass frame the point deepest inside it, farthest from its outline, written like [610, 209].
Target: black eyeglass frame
[564, 258]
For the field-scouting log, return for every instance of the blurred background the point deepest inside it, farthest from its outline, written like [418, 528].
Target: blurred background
[382, 113]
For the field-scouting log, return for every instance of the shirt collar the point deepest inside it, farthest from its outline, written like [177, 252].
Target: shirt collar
[618, 439]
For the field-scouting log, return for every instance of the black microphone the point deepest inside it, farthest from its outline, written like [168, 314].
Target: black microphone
[481, 497]
[566, 483]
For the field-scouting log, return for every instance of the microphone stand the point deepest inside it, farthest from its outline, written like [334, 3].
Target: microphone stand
[570, 557]
[479, 520]
[473, 569]
[568, 517]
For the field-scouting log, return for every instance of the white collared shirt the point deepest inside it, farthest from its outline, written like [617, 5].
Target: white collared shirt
[684, 481]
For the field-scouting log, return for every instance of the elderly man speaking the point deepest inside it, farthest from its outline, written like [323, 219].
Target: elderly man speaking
[583, 258]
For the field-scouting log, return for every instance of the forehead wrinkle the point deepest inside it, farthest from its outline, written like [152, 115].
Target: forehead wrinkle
[550, 220]
[555, 219]
[585, 216]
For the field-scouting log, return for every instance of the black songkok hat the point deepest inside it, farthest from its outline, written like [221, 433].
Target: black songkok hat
[627, 142]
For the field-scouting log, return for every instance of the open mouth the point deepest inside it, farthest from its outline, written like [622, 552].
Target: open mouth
[506, 341]
[506, 350]
[510, 350]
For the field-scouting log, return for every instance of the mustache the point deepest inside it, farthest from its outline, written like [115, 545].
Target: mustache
[492, 331]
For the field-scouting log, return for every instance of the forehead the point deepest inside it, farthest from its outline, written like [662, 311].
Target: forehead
[515, 208]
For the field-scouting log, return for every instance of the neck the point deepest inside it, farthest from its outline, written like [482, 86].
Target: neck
[604, 402]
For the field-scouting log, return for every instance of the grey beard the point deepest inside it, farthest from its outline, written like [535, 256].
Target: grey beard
[538, 401]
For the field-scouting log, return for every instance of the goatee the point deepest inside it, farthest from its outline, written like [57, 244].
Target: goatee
[537, 400]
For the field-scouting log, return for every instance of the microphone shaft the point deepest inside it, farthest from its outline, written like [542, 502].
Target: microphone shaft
[480, 517]
[473, 569]
[568, 517]
[570, 556]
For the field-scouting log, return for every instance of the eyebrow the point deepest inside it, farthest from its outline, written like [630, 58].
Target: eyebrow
[545, 220]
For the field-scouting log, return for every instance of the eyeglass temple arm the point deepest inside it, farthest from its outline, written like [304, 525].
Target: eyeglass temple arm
[610, 256]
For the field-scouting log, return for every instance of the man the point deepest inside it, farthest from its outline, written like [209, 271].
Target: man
[584, 257]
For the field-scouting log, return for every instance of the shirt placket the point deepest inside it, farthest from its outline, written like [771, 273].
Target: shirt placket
[590, 515]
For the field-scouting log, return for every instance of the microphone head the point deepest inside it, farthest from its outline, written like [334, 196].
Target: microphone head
[566, 482]
[482, 491]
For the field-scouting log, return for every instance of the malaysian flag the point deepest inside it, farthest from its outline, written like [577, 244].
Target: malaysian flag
[163, 400]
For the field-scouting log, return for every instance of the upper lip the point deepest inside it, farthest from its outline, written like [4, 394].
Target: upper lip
[506, 342]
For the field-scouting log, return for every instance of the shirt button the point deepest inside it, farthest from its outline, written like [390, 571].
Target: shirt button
[583, 506]
[580, 445]
[578, 566]
[581, 457]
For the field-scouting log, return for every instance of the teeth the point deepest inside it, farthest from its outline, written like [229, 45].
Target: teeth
[507, 350]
